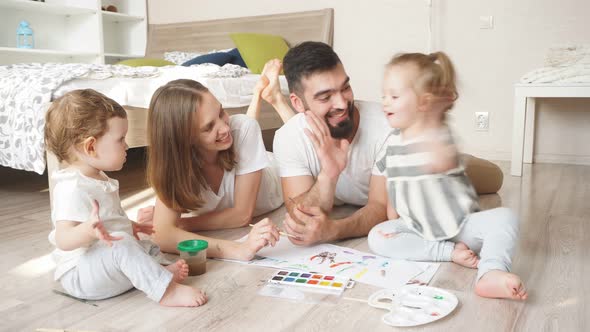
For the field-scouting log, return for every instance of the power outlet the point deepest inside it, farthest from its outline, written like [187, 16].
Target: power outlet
[482, 121]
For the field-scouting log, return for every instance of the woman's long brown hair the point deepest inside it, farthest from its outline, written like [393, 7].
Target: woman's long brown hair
[174, 167]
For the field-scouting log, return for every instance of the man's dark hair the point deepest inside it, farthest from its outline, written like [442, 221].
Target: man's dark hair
[305, 59]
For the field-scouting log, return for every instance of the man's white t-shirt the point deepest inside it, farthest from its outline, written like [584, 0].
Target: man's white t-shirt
[251, 157]
[73, 195]
[296, 155]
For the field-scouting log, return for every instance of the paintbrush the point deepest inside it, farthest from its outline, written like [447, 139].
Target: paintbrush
[282, 233]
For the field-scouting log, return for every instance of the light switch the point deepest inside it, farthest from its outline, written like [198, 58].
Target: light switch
[486, 22]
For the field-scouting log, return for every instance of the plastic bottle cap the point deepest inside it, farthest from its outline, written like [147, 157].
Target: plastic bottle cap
[192, 245]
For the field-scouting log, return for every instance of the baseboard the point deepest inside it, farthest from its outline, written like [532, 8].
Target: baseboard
[490, 155]
[552, 158]
[548, 158]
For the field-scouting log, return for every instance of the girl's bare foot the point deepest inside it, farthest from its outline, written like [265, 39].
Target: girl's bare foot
[178, 295]
[179, 270]
[501, 284]
[464, 256]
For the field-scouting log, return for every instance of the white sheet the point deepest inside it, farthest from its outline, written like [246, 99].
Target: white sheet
[341, 261]
[26, 90]
[231, 92]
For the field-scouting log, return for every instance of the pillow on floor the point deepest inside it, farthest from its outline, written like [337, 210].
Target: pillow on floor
[256, 49]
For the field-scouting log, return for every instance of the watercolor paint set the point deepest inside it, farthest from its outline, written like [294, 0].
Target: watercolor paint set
[413, 305]
[309, 280]
[306, 287]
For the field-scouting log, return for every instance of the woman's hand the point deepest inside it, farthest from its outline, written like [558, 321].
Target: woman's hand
[263, 233]
[145, 228]
[145, 215]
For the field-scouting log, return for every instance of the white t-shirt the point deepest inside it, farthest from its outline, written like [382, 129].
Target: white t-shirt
[73, 194]
[296, 155]
[251, 157]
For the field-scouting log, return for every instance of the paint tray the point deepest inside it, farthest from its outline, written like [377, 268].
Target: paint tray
[306, 286]
[413, 305]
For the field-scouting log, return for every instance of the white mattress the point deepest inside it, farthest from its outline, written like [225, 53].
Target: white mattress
[231, 92]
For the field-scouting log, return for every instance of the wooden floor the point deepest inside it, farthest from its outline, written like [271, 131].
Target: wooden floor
[553, 259]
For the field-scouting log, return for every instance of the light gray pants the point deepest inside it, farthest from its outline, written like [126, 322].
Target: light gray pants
[492, 234]
[104, 272]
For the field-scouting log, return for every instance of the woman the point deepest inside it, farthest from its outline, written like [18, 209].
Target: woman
[209, 170]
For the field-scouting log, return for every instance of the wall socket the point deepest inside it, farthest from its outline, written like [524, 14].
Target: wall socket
[482, 121]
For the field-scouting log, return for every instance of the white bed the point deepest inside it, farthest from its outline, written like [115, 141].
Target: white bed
[232, 92]
[202, 36]
[22, 136]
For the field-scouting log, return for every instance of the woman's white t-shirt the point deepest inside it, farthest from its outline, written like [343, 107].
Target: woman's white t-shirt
[251, 157]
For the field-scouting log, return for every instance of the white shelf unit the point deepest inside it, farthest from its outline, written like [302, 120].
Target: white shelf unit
[74, 30]
[124, 32]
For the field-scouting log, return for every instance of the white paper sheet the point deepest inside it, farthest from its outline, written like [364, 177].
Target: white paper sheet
[335, 260]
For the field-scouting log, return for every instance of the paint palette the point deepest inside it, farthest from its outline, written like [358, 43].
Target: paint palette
[312, 281]
[413, 305]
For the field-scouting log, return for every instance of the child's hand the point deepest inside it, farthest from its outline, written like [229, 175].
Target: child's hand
[145, 228]
[444, 157]
[98, 230]
[261, 235]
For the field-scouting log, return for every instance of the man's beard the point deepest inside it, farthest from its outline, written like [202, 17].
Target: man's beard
[344, 128]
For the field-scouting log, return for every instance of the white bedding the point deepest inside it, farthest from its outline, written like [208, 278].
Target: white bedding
[230, 91]
[27, 89]
[563, 64]
[25, 93]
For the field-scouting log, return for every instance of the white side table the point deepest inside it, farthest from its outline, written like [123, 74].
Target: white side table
[523, 127]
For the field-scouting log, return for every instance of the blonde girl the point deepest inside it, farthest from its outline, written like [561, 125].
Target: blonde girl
[436, 215]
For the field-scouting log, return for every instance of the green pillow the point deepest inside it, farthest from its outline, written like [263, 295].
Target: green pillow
[256, 49]
[146, 62]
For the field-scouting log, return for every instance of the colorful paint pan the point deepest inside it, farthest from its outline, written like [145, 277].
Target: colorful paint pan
[315, 281]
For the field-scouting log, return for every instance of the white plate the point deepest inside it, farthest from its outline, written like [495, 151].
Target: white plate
[413, 305]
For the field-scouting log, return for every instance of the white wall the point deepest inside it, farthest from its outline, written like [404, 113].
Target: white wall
[488, 62]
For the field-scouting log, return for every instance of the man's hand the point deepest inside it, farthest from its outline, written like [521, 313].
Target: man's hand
[332, 153]
[315, 226]
[97, 228]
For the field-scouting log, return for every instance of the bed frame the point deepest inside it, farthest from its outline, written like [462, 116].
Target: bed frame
[317, 25]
